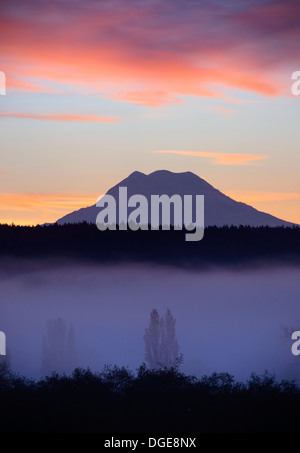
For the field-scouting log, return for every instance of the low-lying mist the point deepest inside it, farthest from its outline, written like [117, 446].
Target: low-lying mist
[229, 321]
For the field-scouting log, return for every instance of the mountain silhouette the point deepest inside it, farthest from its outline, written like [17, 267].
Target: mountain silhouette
[219, 210]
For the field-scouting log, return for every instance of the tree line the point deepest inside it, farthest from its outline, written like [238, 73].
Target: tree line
[220, 246]
[155, 398]
[117, 400]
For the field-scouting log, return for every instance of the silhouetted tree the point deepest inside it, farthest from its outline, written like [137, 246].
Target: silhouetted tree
[169, 344]
[152, 340]
[161, 345]
[58, 350]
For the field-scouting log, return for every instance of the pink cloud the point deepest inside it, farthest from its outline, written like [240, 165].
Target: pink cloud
[25, 85]
[149, 98]
[171, 48]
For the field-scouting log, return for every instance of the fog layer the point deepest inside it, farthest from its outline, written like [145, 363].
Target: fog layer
[226, 320]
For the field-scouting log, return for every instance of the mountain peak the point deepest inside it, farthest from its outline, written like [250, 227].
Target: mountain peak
[161, 174]
[164, 173]
[136, 174]
[172, 174]
[219, 209]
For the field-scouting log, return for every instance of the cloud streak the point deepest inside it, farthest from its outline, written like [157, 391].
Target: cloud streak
[37, 208]
[148, 98]
[252, 196]
[60, 117]
[220, 158]
[225, 111]
[50, 202]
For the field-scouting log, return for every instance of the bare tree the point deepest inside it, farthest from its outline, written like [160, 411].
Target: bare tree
[161, 345]
[58, 350]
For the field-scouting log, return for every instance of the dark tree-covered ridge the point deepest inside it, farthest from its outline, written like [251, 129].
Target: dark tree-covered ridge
[117, 400]
[220, 246]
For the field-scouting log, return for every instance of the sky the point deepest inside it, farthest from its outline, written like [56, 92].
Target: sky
[98, 89]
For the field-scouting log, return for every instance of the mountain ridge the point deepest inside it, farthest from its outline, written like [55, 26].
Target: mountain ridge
[220, 210]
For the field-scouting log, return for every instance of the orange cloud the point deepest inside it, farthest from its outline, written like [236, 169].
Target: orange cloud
[285, 205]
[220, 158]
[252, 196]
[61, 117]
[49, 202]
[30, 209]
